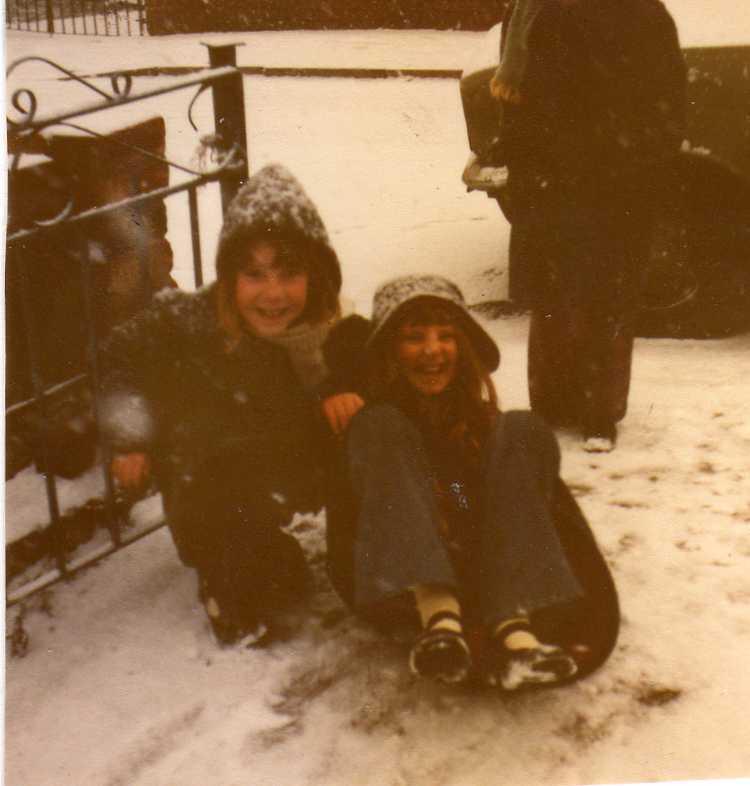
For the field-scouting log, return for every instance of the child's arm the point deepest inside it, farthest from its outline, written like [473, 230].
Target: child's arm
[344, 354]
[340, 408]
[131, 356]
[342, 393]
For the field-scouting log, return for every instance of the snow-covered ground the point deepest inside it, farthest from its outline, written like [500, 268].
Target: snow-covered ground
[122, 683]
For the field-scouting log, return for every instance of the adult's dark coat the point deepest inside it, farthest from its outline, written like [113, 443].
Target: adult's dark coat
[602, 108]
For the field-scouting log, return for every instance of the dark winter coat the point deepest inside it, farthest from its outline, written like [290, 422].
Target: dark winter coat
[595, 619]
[224, 416]
[171, 390]
[602, 96]
[601, 113]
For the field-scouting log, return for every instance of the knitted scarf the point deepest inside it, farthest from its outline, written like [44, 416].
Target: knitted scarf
[515, 53]
[304, 345]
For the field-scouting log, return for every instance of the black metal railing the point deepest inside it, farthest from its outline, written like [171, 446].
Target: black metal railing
[77, 17]
[25, 130]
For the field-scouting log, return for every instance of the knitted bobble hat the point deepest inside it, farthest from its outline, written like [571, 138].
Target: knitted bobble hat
[390, 297]
[272, 201]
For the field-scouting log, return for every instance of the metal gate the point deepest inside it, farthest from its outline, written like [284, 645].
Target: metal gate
[224, 81]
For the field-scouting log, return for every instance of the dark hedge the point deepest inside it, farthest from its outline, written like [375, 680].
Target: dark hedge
[197, 16]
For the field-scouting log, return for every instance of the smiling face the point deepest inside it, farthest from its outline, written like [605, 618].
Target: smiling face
[427, 356]
[270, 293]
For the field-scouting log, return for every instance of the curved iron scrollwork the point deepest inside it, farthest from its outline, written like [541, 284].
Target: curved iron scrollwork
[61, 217]
[29, 111]
[202, 89]
[230, 160]
[121, 86]
[25, 103]
[26, 127]
[212, 146]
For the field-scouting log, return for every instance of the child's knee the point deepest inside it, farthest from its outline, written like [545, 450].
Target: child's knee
[525, 429]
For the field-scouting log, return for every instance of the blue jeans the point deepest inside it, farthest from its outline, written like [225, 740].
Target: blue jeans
[519, 566]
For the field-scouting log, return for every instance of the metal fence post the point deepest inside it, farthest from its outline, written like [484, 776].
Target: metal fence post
[17, 269]
[229, 116]
[142, 22]
[50, 17]
[92, 353]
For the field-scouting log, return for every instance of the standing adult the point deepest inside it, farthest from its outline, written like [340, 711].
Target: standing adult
[593, 101]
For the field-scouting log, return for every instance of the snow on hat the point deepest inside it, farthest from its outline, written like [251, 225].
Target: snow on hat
[273, 201]
[392, 295]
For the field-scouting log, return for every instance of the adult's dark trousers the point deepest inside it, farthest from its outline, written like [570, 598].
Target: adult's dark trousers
[579, 366]
[584, 250]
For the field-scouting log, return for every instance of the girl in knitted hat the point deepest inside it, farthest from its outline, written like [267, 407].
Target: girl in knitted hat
[212, 393]
[446, 514]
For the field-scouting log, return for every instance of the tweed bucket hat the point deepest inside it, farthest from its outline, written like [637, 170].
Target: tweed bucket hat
[393, 295]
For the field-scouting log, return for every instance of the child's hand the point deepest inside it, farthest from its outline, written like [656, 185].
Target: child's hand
[131, 470]
[340, 409]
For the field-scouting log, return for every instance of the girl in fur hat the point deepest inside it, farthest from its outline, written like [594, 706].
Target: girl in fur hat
[449, 516]
[212, 393]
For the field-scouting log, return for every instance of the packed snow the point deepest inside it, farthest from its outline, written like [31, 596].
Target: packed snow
[122, 683]
[122, 656]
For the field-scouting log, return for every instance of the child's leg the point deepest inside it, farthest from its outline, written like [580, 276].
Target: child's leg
[398, 545]
[441, 651]
[257, 571]
[398, 548]
[522, 566]
[247, 567]
[515, 658]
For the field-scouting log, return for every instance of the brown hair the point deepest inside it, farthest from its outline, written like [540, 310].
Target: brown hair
[466, 410]
[295, 254]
